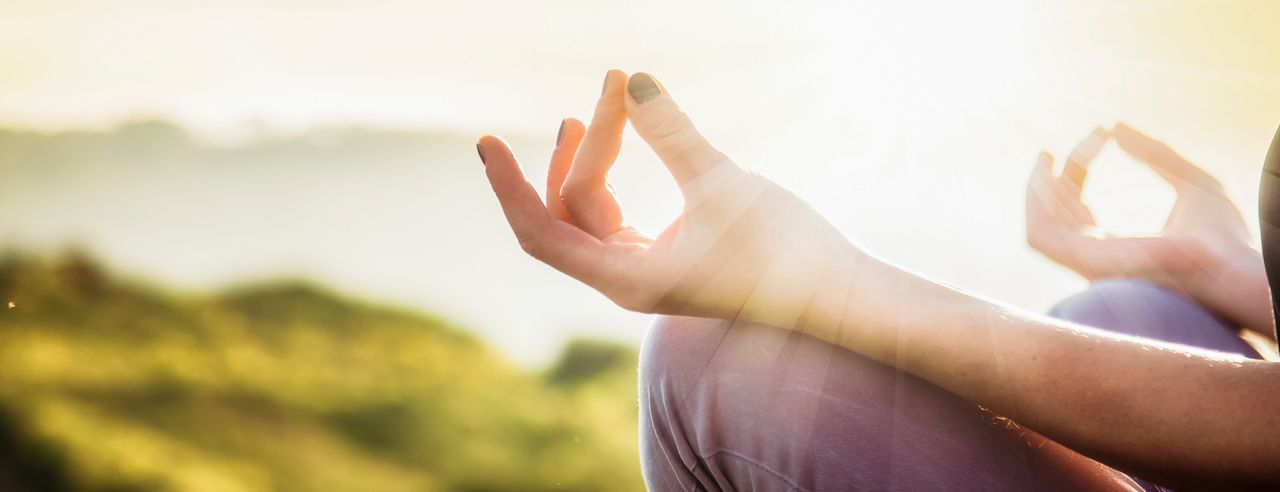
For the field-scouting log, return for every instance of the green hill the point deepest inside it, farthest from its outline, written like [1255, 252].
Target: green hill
[111, 385]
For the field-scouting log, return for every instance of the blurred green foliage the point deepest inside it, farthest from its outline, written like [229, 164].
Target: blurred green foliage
[112, 385]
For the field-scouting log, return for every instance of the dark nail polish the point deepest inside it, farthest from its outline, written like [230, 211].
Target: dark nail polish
[560, 134]
[643, 88]
[481, 152]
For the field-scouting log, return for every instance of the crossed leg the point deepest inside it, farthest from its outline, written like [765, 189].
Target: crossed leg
[737, 406]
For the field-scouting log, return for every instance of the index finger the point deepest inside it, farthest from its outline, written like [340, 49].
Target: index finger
[603, 139]
[1076, 168]
[559, 244]
[1051, 200]
[567, 141]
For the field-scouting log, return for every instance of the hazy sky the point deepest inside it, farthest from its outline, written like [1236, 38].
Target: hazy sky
[912, 124]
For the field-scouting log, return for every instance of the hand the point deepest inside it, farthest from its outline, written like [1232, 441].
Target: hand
[1203, 250]
[742, 248]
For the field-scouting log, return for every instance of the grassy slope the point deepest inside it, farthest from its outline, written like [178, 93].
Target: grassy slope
[107, 385]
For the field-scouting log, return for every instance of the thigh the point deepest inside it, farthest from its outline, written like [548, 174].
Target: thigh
[751, 407]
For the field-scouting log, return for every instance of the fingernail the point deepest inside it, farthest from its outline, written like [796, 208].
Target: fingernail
[560, 134]
[605, 88]
[643, 88]
[481, 152]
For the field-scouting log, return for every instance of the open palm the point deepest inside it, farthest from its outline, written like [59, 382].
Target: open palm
[743, 247]
[1203, 251]
[1202, 221]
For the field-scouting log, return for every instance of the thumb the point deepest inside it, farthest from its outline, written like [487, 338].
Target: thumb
[668, 131]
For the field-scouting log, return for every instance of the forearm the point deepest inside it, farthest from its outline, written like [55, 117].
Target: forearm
[1179, 415]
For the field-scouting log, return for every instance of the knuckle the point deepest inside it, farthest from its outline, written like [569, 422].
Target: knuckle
[575, 190]
[531, 247]
[625, 299]
[626, 303]
[1212, 183]
[1039, 238]
[633, 299]
[1034, 240]
[674, 135]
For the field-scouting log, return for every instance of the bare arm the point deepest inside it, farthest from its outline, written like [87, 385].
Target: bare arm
[744, 248]
[1180, 416]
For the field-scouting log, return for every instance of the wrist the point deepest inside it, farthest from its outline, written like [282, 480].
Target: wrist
[831, 311]
[1212, 266]
[1232, 281]
[865, 301]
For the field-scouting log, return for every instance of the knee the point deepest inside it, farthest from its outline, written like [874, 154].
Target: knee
[674, 353]
[683, 355]
[1125, 306]
[753, 404]
[1139, 308]
[673, 350]
[673, 346]
[1108, 300]
[718, 397]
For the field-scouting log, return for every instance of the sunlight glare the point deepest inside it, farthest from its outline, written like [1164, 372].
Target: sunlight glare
[899, 66]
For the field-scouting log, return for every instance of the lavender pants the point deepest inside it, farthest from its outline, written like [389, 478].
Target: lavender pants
[752, 407]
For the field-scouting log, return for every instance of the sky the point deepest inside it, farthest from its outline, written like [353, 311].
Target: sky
[912, 125]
